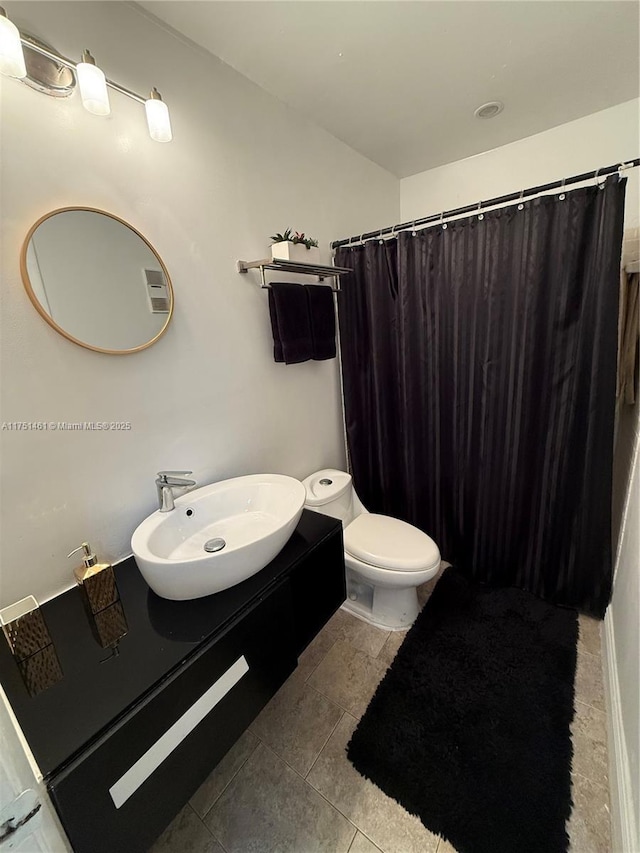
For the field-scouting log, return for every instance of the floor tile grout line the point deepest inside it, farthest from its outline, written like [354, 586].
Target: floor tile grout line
[222, 847]
[362, 832]
[328, 698]
[358, 715]
[359, 828]
[277, 754]
[339, 810]
[587, 705]
[316, 791]
[333, 805]
[302, 778]
[355, 835]
[337, 704]
[306, 681]
[349, 643]
[377, 657]
[215, 838]
[286, 763]
[594, 655]
[599, 784]
[346, 639]
[313, 763]
[231, 779]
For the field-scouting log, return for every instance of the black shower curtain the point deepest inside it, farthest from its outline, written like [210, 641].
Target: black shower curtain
[479, 364]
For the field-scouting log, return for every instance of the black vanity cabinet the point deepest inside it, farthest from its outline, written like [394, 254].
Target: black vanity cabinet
[128, 734]
[124, 790]
[317, 588]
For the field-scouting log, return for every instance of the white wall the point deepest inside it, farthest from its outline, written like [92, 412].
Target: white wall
[601, 139]
[622, 640]
[208, 395]
[622, 624]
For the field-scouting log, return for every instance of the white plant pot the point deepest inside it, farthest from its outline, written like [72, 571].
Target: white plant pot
[288, 251]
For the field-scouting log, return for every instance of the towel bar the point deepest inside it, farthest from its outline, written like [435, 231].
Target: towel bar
[281, 265]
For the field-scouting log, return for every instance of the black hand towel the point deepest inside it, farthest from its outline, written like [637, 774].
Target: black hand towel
[290, 323]
[323, 321]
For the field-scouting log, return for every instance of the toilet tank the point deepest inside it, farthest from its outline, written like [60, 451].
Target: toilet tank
[330, 492]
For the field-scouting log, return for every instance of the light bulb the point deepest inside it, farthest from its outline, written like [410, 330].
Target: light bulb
[93, 86]
[158, 118]
[11, 55]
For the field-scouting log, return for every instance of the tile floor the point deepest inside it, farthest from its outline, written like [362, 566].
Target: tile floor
[287, 786]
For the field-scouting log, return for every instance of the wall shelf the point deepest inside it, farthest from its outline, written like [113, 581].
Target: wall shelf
[280, 265]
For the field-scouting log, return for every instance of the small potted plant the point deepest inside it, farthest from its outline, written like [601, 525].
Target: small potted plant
[295, 246]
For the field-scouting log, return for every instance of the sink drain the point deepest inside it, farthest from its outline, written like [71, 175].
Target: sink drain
[214, 545]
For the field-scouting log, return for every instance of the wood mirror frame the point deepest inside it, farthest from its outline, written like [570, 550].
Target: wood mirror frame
[40, 309]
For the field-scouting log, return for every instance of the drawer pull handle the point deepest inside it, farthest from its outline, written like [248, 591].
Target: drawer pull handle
[138, 773]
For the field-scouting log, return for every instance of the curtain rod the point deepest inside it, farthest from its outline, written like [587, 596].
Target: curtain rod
[492, 202]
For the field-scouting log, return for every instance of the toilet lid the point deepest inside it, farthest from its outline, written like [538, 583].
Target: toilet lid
[390, 543]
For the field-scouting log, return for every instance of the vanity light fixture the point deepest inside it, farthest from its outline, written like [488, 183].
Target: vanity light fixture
[93, 86]
[158, 117]
[11, 55]
[92, 82]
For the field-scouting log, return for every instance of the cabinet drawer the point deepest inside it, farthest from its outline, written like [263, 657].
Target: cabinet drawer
[122, 792]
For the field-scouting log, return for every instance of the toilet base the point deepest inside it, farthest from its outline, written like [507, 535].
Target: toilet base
[391, 608]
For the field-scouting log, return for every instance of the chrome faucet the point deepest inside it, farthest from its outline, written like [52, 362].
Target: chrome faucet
[165, 484]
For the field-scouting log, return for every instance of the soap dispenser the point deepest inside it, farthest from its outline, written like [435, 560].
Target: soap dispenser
[96, 580]
[101, 597]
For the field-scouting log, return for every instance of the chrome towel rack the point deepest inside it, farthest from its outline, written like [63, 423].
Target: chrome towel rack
[280, 265]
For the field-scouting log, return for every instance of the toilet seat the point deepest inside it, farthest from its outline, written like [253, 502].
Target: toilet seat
[391, 544]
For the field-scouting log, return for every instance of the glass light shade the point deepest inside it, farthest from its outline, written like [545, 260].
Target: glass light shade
[11, 55]
[93, 89]
[158, 120]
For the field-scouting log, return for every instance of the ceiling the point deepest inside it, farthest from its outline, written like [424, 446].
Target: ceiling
[399, 81]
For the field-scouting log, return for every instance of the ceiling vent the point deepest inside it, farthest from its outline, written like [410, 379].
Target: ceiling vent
[489, 110]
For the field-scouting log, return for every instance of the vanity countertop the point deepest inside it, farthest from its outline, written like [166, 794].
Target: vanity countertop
[99, 685]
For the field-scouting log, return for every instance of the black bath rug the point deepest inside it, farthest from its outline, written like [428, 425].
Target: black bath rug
[469, 729]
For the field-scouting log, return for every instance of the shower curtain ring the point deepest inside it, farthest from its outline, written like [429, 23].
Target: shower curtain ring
[480, 215]
[521, 205]
[562, 196]
[621, 169]
[444, 224]
[595, 178]
[413, 233]
[380, 239]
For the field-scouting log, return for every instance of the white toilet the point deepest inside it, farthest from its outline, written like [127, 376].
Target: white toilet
[386, 559]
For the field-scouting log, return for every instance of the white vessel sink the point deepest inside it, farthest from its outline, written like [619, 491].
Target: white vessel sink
[253, 516]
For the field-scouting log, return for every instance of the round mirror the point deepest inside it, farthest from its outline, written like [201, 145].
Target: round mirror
[96, 280]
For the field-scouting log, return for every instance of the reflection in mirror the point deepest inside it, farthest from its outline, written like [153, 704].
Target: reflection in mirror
[96, 280]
